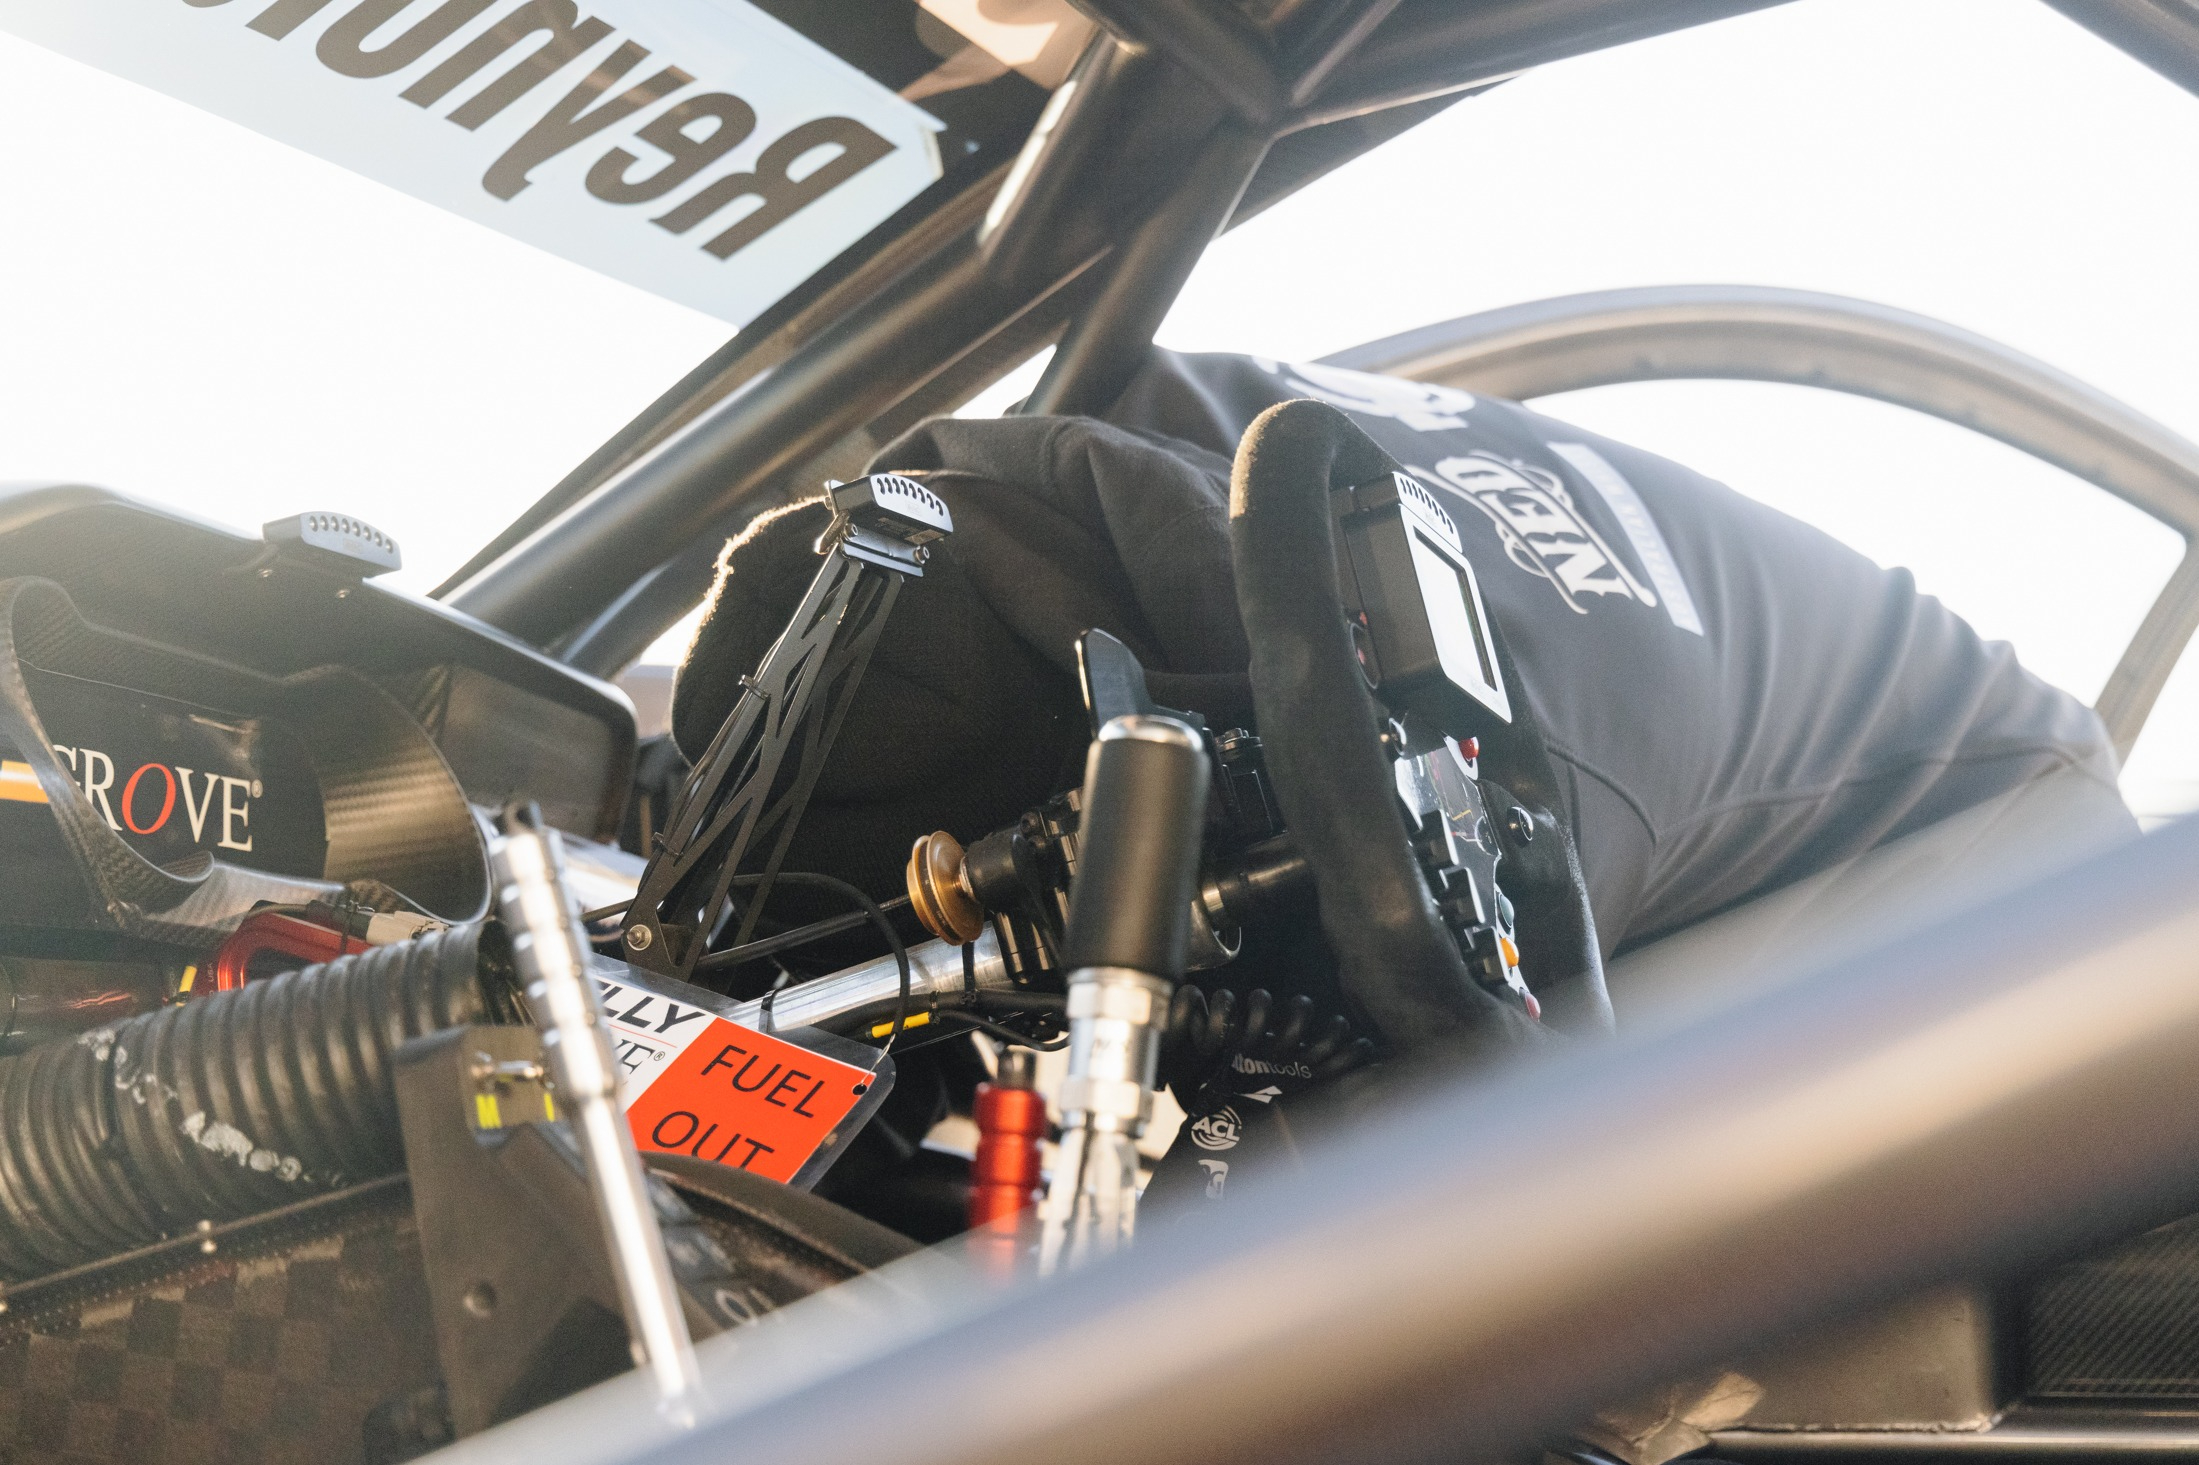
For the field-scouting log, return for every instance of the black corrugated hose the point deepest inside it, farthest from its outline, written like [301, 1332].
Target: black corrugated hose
[1397, 961]
[232, 1104]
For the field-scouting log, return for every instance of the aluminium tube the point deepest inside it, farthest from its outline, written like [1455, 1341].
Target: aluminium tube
[1496, 1258]
[1038, 199]
[936, 979]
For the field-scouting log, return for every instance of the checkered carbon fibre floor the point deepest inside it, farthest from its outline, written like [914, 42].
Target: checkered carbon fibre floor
[2123, 1324]
[272, 1350]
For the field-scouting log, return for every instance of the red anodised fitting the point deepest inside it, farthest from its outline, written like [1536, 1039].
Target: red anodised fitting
[291, 935]
[1011, 1120]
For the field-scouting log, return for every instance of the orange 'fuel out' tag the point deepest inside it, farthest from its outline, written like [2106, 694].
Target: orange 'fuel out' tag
[693, 1083]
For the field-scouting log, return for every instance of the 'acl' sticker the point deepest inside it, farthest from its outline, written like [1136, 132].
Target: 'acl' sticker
[693, 1083]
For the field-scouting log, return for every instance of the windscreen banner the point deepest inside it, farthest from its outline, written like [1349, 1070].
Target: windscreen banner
[698, 149]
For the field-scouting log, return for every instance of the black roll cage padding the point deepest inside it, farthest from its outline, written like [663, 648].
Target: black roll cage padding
[1396, 961]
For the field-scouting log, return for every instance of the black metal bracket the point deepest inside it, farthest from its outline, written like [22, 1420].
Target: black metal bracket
[525, 1303]
[748, 790]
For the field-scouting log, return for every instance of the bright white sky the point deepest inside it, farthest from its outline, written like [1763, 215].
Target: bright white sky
[196, 314]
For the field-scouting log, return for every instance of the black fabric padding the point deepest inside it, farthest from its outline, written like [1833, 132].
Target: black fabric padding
[960, 724]
[1397, 963]
[1825, 708]
[970, 712]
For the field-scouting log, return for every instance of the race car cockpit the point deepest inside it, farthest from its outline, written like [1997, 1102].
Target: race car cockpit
[1238, 909]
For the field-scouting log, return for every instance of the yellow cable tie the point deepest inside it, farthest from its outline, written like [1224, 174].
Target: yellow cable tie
[916, 1020]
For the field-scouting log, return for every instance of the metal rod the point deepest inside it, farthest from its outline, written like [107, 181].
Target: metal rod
[1029, 216]
[1105, 346]
[2040, 1435]
[2126, 701]
[936, 979]
[551, 952]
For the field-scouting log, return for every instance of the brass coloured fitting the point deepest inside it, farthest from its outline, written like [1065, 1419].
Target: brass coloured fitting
[939, 890]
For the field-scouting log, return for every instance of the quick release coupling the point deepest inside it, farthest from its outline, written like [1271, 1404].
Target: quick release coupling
[1130, 914]
[1145, 784]
[1116, 1018]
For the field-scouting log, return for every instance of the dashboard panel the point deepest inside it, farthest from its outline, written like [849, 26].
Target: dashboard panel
[506, 719]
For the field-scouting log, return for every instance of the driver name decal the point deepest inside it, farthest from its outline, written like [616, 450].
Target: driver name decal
[697, 149]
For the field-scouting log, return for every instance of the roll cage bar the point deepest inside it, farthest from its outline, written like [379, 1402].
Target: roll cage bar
[1063, 244]
[1096, 224]
[607, 558]
[1486, 1264]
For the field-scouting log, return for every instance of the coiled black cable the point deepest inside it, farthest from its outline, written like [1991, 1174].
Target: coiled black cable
[1208, 1032]
[232, 1104]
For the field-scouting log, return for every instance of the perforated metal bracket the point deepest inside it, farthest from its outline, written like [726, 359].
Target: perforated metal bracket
[886, 520]
[748, 790]
[333, 542]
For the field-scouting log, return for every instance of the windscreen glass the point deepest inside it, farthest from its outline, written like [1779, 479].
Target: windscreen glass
[413, 259]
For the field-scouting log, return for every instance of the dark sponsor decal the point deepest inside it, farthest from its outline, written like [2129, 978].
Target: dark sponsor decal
[175, 780]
